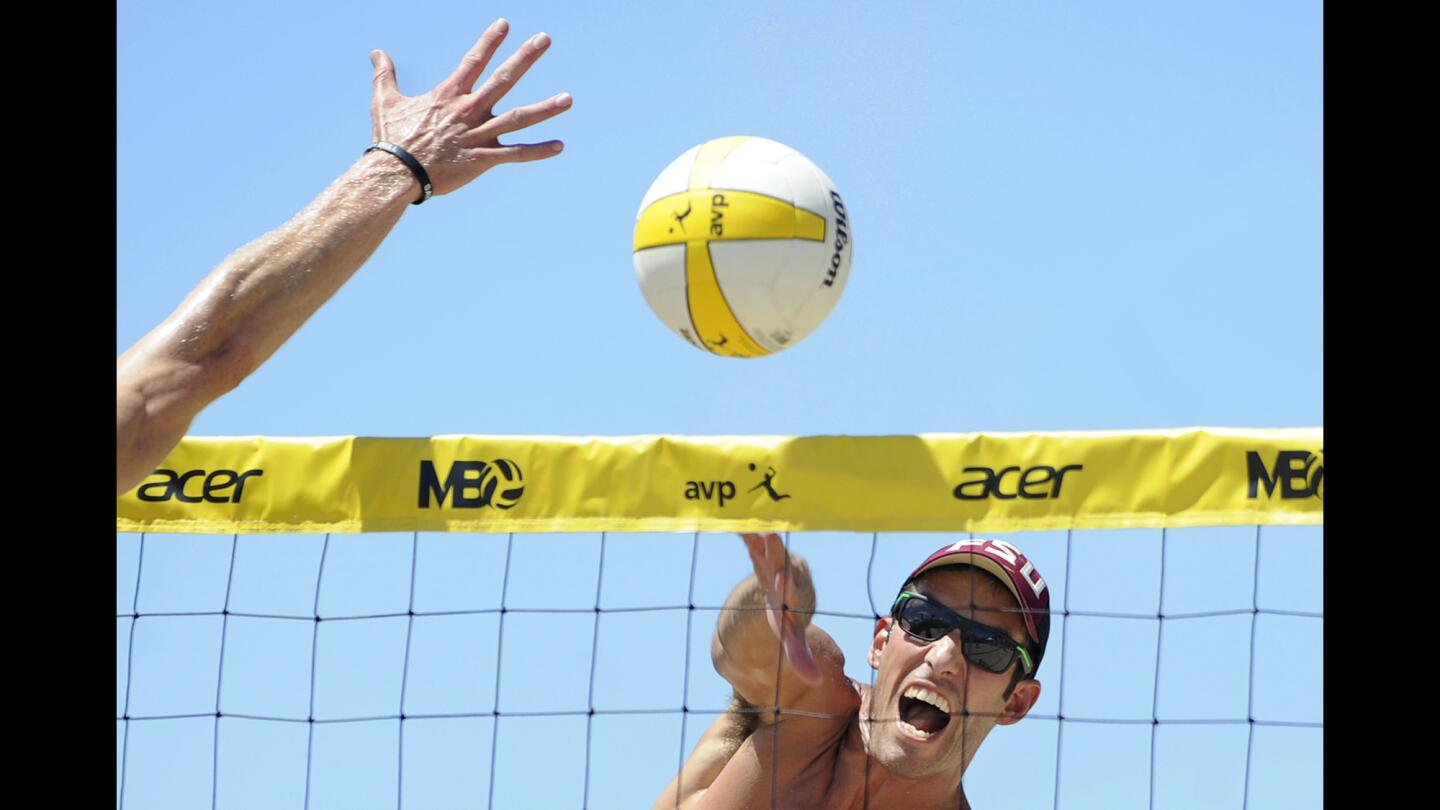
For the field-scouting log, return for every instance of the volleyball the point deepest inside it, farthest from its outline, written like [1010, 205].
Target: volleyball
[742, 246]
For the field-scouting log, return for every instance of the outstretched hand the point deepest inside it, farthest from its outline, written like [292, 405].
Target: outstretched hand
[453, 129]
[776, 576]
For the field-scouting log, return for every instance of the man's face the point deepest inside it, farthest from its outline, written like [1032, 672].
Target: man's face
[940, 669]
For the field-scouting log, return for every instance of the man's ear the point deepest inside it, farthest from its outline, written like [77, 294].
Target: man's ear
[877, 643]
[1021, 700]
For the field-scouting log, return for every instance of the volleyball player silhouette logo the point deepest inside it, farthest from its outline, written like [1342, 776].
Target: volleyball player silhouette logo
[768, 482]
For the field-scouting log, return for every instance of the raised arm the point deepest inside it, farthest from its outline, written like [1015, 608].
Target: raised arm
[258, 297]
[765, 634]
[771, 613]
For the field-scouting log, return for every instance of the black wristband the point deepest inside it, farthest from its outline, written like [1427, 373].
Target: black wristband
[426, 190]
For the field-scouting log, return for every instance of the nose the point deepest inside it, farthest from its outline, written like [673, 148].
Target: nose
[945, 656]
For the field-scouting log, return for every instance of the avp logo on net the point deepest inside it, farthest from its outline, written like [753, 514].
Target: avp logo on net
[722, 491]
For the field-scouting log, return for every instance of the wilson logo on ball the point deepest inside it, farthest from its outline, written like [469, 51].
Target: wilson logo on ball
[742, 246]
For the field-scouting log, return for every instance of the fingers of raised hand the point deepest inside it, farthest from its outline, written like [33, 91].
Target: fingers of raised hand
[798, 652]
[509, 72]
[384, 74]
[771, 561]
[767, 554]
[516, 153]
[521, 117]
[772, 566]
[474, 62]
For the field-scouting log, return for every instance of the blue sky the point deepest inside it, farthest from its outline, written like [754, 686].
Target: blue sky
[1104, 216]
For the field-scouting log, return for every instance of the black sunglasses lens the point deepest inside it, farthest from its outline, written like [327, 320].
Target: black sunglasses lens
[989, 654]
[921, 620]
[929, 623]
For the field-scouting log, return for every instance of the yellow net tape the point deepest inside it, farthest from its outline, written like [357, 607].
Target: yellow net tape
[928, 482]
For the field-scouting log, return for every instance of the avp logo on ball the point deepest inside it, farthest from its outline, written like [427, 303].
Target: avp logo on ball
[1032, 483]
[497, 483]
[717, 215]
[213, 486]
[1300, 474]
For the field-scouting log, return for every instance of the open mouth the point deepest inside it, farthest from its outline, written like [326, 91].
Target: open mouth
[923, 713]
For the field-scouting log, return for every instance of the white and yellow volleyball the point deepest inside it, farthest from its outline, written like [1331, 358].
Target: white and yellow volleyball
[742, 246]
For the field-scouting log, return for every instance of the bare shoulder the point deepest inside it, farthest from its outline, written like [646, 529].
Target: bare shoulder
[712, 751]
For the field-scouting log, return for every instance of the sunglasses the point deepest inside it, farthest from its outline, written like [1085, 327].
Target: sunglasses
[988, 648]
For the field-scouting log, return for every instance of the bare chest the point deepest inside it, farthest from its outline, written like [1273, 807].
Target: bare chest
[858, 782]
[768, 774]
[831, 782]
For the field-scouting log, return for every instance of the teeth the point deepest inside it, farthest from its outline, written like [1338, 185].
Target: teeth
[926, 695]
[924, 735]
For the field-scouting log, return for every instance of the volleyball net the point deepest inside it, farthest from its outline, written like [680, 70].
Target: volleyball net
[525, 622]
